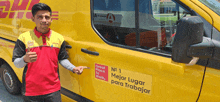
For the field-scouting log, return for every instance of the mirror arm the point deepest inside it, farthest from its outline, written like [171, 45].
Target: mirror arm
[202, 50]
[193, 61]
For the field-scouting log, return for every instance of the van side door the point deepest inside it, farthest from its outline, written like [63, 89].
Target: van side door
[130, 58]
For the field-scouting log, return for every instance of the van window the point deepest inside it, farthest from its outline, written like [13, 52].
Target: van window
[159, 27]
[115, 22]
[212, 4]
[216, 34]
[114, 19]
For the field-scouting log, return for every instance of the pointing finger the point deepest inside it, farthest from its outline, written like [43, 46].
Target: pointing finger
[85, 67]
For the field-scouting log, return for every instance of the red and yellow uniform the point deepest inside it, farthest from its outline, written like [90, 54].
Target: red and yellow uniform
[41, 77]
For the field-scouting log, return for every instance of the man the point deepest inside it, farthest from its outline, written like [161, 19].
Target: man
[39, 51]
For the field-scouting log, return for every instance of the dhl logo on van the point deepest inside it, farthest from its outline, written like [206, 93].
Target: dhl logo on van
[17, 9]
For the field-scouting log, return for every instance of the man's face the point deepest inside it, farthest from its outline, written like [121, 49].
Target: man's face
[42, 20]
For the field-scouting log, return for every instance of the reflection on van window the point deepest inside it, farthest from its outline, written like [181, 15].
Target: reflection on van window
[115, 21]
[212, 4]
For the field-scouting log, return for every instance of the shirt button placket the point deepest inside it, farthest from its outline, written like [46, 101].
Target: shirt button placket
[44, 40]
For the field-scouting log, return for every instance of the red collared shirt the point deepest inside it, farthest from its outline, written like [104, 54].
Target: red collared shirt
[38, 34]
[41, 77]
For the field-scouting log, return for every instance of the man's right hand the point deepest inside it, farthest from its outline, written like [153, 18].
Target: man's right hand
[30, 56]
[78, 70]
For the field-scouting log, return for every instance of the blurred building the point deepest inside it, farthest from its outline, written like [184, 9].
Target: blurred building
[164, 6]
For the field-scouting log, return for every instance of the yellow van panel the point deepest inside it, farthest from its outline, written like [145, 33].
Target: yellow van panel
[165, 80]
[210, 90]
[6, 49]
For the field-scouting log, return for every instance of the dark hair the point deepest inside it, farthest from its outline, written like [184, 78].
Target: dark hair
[40, 6]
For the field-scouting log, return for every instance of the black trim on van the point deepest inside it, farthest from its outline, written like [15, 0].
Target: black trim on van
[8, 40]
[74, 96]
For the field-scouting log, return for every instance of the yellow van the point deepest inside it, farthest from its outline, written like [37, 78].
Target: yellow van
[137, 50]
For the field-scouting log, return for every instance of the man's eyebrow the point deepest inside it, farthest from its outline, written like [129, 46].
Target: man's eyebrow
[42, 15]
[39, 15]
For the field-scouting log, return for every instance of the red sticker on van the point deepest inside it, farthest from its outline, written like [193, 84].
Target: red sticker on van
[101, 72]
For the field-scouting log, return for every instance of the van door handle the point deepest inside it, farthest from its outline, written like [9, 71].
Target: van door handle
[89, 52]
[68, 46]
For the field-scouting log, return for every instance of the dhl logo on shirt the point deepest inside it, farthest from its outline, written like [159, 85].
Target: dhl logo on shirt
[18, 9]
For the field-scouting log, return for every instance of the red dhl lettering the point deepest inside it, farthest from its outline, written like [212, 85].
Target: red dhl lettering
[11, 46]
[15, 7]
[3, 44]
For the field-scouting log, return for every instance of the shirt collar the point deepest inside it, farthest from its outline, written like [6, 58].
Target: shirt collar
[38, 34]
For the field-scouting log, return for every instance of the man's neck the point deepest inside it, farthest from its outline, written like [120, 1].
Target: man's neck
[43, 31]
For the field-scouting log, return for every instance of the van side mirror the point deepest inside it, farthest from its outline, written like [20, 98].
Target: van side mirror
[189, 45]
[189, 32]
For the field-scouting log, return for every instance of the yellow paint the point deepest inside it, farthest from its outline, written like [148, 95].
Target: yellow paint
[211, 91]
[167, 81]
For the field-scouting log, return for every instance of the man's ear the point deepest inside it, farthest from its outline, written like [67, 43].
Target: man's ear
[32, 18]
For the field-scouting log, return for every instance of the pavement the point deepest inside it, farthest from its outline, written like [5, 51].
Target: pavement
[7, 97]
